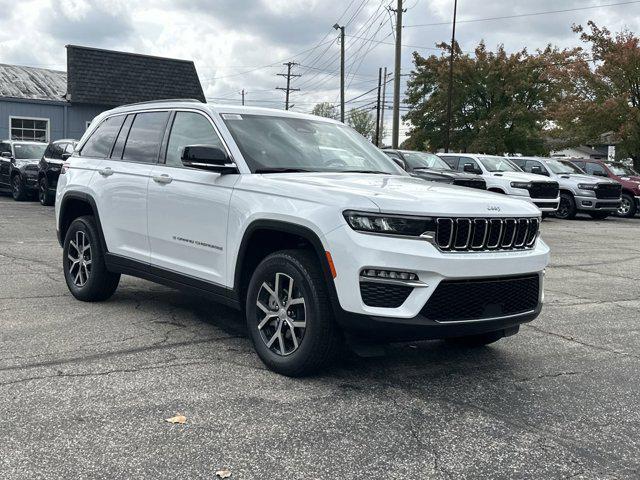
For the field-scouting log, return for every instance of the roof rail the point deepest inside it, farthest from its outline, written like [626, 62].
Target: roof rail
[164, 100]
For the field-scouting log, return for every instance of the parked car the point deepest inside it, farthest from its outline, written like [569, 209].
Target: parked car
[49, 168]
[578, 192]
[241, 205]
[19, 167]
[626, 176]
[432, 168]
[502, 176]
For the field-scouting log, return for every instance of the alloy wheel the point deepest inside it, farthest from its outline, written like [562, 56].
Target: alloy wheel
[79, 257]
[15, 185]
[42, 190]
[625, 207]
[563, 208]
[281, 314]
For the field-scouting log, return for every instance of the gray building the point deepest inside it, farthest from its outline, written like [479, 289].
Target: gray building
[46, 105]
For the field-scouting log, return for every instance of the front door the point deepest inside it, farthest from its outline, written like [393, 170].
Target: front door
[188, 207]
[5, 164]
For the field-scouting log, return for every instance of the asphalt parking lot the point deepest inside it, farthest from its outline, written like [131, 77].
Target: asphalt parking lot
[84, 388]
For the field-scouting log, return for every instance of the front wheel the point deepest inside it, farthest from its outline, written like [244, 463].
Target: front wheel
[627, 207]
[567, 209]
[18, 188]
[83, 263]
[599, 215]
[46, 199]
[289, 315]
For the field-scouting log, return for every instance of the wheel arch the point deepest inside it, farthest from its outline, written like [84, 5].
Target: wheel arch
[76, 204]
[259, 232]
[628, 192]
[496, 190]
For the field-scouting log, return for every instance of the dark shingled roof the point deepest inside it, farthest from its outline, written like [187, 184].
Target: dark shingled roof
[106, 77]
[32, 83]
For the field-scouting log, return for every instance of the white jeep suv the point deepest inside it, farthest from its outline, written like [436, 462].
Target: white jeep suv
[297, 221]
[503, 176]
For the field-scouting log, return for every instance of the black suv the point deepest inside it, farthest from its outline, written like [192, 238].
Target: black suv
[49, 168]
[432, 168]
[19, 167]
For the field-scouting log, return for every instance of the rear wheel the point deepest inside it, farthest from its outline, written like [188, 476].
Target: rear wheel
[45, 197]
[18, 188]
[599, 215]
[627, 207]
[567, 208]
[289, 315]
[83, 263]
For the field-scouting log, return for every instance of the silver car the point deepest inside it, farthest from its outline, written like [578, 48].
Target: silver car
[579, 192]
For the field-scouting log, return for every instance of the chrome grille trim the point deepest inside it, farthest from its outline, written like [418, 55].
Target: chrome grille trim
[485, 234]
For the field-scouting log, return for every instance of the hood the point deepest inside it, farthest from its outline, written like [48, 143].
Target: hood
[27, 161]
[445, 173]
[580, 178]
[521, 176]
[633, 178]
[387, 193]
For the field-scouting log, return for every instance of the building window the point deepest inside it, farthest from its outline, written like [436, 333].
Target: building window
[29, 129]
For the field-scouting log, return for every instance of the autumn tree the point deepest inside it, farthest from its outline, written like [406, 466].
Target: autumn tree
[362, 122]
[325, 109]
[605, 101]
[499, 99]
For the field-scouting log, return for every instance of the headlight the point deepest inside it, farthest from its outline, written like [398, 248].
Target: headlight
[525, 185]
[389, 224]
[587, 186]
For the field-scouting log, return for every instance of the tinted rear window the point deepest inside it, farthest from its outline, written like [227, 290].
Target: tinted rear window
[101, 140]
[145, 136]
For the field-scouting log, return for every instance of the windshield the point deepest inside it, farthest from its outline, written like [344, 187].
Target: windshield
[562, 168]
[622, 170]
[498, 164]
[274, 144]
[418, 160]
[28, 150]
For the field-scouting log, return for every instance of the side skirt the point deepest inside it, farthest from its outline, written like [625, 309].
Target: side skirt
[170, 278]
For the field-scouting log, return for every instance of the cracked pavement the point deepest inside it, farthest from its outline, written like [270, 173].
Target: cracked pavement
[84, 388]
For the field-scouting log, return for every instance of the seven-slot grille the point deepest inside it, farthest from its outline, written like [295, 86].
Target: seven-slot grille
[478, 234]
[471, 183]
[544, 190]
[608, 190]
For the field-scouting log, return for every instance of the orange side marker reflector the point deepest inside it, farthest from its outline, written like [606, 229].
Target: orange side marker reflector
[332, 267]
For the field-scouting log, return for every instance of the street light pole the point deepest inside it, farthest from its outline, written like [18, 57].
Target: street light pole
[341, 28]
[447, 140]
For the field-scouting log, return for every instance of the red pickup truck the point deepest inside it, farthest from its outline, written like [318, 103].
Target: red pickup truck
[629, 178]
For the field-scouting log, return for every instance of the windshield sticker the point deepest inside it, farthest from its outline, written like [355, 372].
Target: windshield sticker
[232, 116]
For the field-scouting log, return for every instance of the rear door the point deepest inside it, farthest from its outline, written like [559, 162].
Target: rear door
[122, 183]
[188, 207]
[5, 164]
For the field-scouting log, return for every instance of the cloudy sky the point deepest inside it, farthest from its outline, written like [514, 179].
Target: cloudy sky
[241, 44]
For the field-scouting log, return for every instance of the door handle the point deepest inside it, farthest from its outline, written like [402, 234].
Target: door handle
[105, 172]
[163, 179]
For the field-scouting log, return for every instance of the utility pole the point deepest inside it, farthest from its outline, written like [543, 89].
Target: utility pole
[341, 28]
[377, 140]
[395, 133]
[242, 93]
[447, 138]
[288, 89]
[384, 100]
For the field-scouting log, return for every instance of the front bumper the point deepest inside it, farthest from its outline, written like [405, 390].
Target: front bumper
[593, 204]
[352, 252]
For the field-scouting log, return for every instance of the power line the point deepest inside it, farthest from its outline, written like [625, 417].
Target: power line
[522, 15]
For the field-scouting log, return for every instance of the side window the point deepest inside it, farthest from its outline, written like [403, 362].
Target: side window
[519, 162]
[581, 165]
[528, 167]
[145, 136]
[101, 140]
[70, 148]
[55, 151]
[189, 128]
[118, 148]
[465, 160]
[5, 147]
[451, 161]
[595, 169]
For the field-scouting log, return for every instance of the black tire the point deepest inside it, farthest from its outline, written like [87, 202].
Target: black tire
[45, 197]
[567, 208]
[599, 215]
[99, 284]
[628, 206]
[319, 341]
[18, 188]
[473, 341]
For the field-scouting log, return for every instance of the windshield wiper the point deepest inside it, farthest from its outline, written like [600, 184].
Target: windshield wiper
[377, 172]
[281, 170]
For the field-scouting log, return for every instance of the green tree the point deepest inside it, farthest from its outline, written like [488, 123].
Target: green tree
[499, 100]
[362, 122]
[325, 109]
[605, 100]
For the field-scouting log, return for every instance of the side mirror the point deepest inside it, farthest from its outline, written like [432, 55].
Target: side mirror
[401, 163]
[537, 170]
[6, 154]
[207, 157]
[469, 168]
[66, 155]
